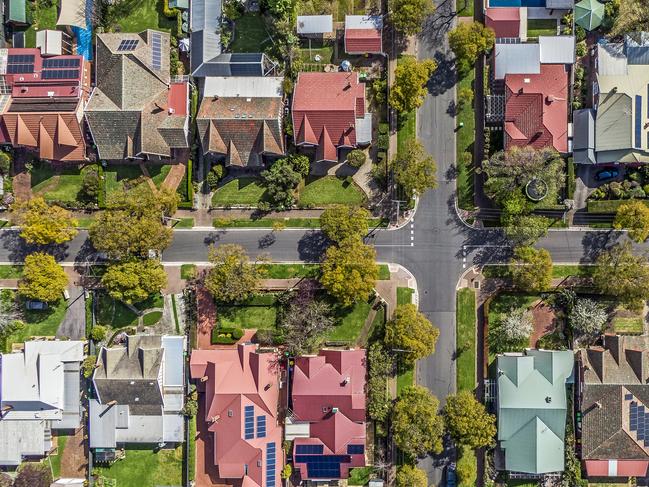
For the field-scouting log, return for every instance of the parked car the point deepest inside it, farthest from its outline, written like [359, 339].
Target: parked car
[34, 304]
[606, 174]
[451, 476]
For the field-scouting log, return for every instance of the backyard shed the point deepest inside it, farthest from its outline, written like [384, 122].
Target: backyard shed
[308, 25]
[363, 34]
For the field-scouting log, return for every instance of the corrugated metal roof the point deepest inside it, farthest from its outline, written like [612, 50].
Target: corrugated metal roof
[557, 49]
[245, 86]
[517, 59]
[374, 22]
[611, 60]
[17, 12]
[584, 136]
[315, 24]
[613, 128]
[174, 361]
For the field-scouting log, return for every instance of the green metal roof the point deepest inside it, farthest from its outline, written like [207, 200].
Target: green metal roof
[532, 409]
[589, 14]
[17, 12]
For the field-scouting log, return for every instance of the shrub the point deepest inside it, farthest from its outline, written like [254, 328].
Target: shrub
[190, 408]
[383, 141]
[90, 185]
[226, 335]
[98, 333]
[88, 366]
[356, 158]
[5, 162]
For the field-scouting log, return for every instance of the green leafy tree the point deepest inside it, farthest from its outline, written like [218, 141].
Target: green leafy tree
[281, 9]
[98, 333]
[349, 271]
[468, 41]
[410, 79]
[42, 224]
[5, 162]
[468, 422]
[531, 269]
[300, 164]
[417, 428]
[588, 317]
[621, 273]
[410, 476]
[467, 469]
[634, 217]
[233, 277]
[464, 96]
[342, 222]
[525, 229]
[135, 280]
[410, 330]
[632, 16]
[90, 185]
[43, 279]
[88, 366]
[380, 367]
[409, 16]
[280, 181]
[356, 158]
[414, 170]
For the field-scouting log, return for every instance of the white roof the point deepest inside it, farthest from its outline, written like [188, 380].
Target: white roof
[73, 12]
[369, 22]
[315, 24]
[244, 86]
[557, 49]
[50, 42]
[173, 428]
[611, 60]
[18, 438]
[174, 361]
[517, 59]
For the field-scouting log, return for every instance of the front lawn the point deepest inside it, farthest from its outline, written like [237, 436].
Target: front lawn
[466, 339]
[330, 190]
[241, 191]
[145, 468]
[63, 185]
[289, 271]
[350, 322]
[499, 308]
[120, 177]
[37, 323]
[258, 312]
[249, 34]
[541, 27]
[114, 313]
[158, 173]
[465, 122]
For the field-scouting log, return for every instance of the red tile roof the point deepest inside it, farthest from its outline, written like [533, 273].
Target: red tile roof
[361, 41]
[179, 98]
[625, 468]
[331, 100]
[505, 21]
[536, 108]
[236, 378]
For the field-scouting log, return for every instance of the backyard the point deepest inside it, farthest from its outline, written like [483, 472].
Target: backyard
[338, 8]
[138, 15]
[145, 468]
[541, 27]
[250, 34]
[44, 17]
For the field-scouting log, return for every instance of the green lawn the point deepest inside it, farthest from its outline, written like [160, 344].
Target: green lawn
[55, 460]
[259, 312]
[250, 34]
[288, 271]
[191, 456]
[404, 295]
[114, 313]
[158, 173]
[330, 190]
[156, 300]
[628, 325]
[62, 186]
[152, 318]
[465, 8]
[384, 272]
[407, 129]
[405, 378]
[350, 322]
[240, 191]
[187, 271]
[118, 176]
[465, 140]
[224, 222]
[558, 271]
[307, 55]
[145, 468]
[43, 18]
[139, 15]
[541, 27]
[11, 271]
[85, 222]
[360, 475]
[37, 323]
[184, 223]
[466, 340]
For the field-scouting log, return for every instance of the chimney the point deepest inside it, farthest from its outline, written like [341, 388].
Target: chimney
[598, 405]
[346, 381]
[171, 111]
[548, 399]
[111, 403]
[268, 386]
[549, 98]
[205, 378]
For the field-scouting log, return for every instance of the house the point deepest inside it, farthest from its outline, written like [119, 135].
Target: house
[327, 424]
[614, 406]
[619, 108]
[40, 392]
[240, 120]
[363, 34]
[329, 113]
[240, 390]
[531, 81]
[531, 409]
[136, 111]
[314, 25]
[41, 103]
[138, 394]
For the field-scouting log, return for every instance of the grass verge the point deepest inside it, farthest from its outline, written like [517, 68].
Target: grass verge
[465, 141]
[466, 340]
[404, 295]
[187, 271]
[11, 271]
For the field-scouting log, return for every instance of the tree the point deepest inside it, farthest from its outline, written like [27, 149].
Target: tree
[5, 162]
[409, 16]
[349, 271]
[380, 367]
[98, 333]
[464, 96]
[135, 280]
[621, 273]
[305, 323]
[42, 224]
[342, 222]
[633, 16]
[31, 474]
[417, 428]
[468, 422]
[280, 182]
[634, 217]
[414, 170]
[90, 185]
[410, 330]
[43, 279]
[356, 158]
[517, 325]
[525, 229]
[466, 468]
[410, 476]
[232, 277]
[410, 79]
[88, 366]
[190, 409]
[300, 164]
[588, 317]
[468, 41]
[531, 269]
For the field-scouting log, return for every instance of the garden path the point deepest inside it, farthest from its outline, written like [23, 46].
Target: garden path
[544, 321]
[174, 177]
[74, 456]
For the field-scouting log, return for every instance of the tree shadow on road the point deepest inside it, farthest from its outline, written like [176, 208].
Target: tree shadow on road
[445, 75]
[594, 243]
[19, 249]
[312, 246]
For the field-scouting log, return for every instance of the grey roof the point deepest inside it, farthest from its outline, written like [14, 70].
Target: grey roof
[314, 24]
[613, 128]
[611, 59]
[557, 49]
[517, 59]
[174, 347]
[369, 22]
[233, 64]
[364, 129]
[636, 47]
[18, 438]
[205, 38]
[584, 136]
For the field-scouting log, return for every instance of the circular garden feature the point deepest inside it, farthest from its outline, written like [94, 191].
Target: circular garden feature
[536, 189]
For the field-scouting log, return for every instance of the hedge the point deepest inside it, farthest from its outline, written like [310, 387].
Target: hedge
[570, 179]
[189, 202]
[609, 206]
[226, 335]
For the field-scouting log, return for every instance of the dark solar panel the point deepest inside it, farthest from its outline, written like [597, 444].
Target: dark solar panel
[156, 50]
[246, 57]
[355, 449]
[261, 426]
[60, 74]
[309, 449]
[61, 63]
[270, 464]
[638, 121]
[628, 397]
[20, 58]
[249, 422]
[127, 45]
[246, 69]
[20, 68]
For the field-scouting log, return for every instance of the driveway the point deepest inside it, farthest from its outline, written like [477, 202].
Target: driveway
[585, 182]
[73, 325]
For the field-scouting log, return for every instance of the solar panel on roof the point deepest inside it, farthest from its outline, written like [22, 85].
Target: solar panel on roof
[261, 426]
[270, 464]
[61, 63]
[156, 50]
[20, 68]
[309, 449]
[249, 422]
[628, 397]
[20, 58]
[60, 74]
[127, 45]
[355, 449]
[245, 57]
[638, 121]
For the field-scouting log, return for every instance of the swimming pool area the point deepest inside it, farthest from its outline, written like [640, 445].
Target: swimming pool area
[516, 3]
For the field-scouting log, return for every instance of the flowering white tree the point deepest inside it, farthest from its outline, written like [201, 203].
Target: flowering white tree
[588, 317]
[518, 324]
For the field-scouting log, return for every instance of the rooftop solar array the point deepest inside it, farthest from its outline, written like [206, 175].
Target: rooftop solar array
[261, 426]
[61, 63]
[20, 68]
[355, 449]
[639, 421]
[60, 74]
[270, 464]
[20, 58]
[156, 50]
[249, 422]
[323, 466]
[309, 449]
[127, 45]
[638, 122]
